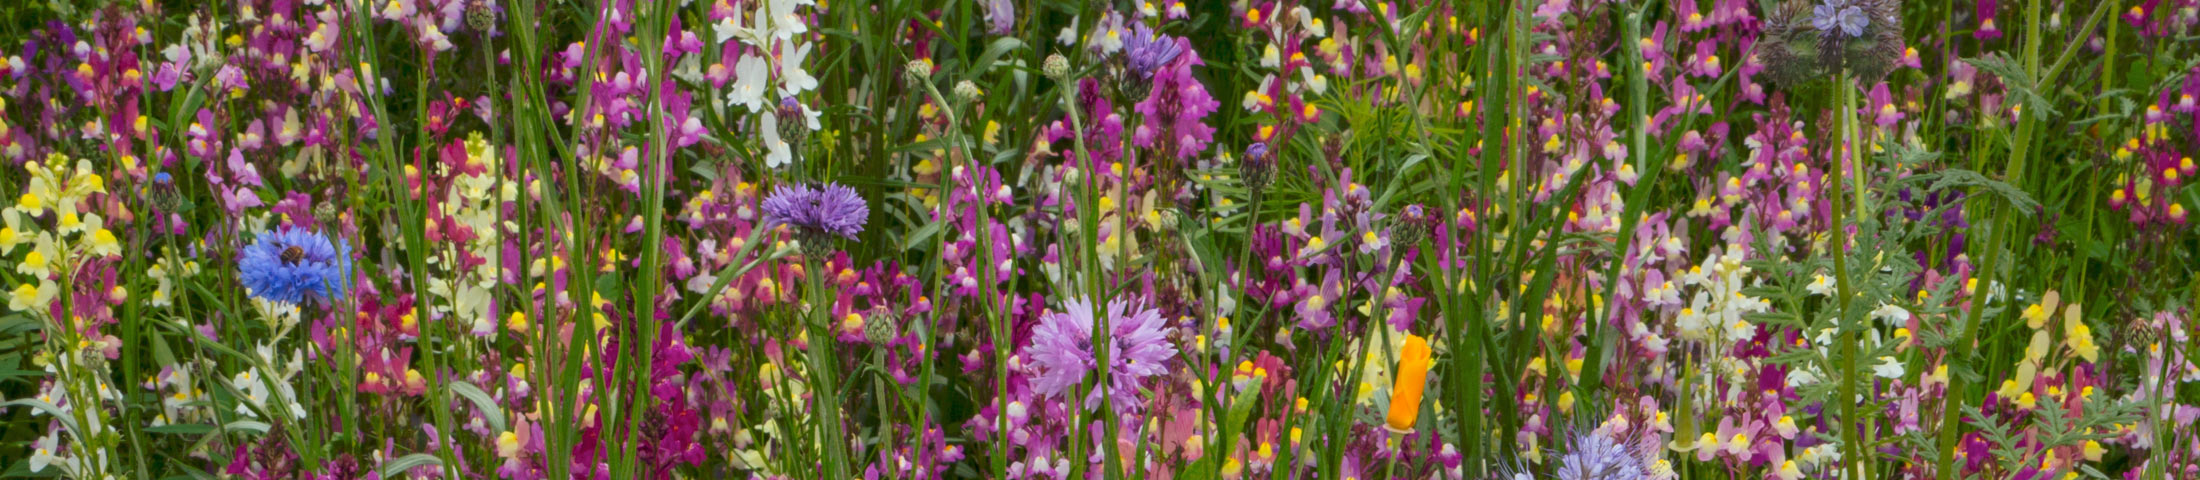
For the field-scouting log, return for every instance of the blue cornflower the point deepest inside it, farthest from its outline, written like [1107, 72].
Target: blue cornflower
[292, 265]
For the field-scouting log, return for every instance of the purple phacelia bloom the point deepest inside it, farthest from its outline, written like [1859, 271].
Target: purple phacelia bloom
[1837, 18]
[1589, 455]
[1062, 349]
[1597, 455]
[292, 265]
[815, 213]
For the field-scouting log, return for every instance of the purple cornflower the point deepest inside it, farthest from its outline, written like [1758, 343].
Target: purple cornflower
[1837, 18]
[292, 265]
[1062, 349]
[815, 213]
[1146, 51]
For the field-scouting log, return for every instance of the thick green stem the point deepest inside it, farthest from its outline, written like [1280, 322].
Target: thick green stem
[1852, 440]
[824, 365]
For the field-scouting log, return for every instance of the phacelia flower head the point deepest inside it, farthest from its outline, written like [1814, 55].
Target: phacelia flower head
[1592, 454]
[816, 213]
[1839, 18]
[1062, 348]
[1804, 41]
[1597, 454]
[293, 265]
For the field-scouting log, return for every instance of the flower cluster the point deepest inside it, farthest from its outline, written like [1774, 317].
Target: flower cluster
[774, 239]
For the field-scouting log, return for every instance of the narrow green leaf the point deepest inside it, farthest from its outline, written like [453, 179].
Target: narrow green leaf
[482, 401]
[404, 463]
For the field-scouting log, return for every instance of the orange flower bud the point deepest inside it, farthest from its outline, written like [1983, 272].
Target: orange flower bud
[1405, 396]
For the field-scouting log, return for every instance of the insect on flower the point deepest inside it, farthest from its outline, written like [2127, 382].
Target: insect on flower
[293, 265]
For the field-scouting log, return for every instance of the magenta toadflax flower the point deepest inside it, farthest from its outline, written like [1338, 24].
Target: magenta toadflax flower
[1986, 28]
[293, 265]
[1062, 348]
[1882, 111]
[815, 214]
[1176, 109]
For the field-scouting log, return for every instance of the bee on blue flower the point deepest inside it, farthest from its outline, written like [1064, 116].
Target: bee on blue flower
[294, 266]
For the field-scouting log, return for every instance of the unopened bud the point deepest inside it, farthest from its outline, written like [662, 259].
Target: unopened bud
[919, 70]
[967, 92]
[1056, 67]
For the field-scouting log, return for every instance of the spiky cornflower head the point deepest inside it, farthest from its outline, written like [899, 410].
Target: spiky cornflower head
[816, 214]
[163, 192]
[1413, 224]
[293, 265]
[1257, 169]
[881, 327]
[794, 122]
[1062, 348]
[480, 16]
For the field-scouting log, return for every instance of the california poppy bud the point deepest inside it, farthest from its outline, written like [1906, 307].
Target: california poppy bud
[1405, 396]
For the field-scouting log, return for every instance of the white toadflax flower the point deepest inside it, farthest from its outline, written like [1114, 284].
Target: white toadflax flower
[1888, 367]
[751, 79]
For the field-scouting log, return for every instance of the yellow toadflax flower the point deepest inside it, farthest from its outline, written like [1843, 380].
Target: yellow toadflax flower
[1405, 395]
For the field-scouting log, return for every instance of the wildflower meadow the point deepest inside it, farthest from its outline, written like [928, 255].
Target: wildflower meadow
[1100, 239]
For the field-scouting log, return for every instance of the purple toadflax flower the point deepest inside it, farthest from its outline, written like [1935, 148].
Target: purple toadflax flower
[1176, 109]
[1062, 348]
[1001, 16]
[815, 214]
[293, 265]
